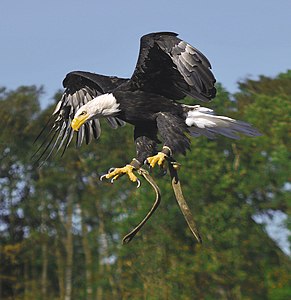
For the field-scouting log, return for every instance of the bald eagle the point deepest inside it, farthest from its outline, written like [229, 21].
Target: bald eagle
[168, 69]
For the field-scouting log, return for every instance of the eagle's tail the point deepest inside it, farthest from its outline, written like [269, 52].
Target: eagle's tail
[203, 121]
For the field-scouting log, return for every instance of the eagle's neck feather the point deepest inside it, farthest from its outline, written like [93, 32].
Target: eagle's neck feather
[107, 104]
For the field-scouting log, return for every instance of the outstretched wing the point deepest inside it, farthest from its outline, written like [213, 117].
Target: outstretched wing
[80, 87]
[173, 68]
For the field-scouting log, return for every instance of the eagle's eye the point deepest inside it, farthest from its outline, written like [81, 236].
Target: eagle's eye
[83, 113]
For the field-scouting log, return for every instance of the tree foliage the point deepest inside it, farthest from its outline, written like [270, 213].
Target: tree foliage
[61, 228]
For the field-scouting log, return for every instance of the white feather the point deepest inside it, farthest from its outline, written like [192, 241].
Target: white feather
[101, 106]
[58, 106]
[106, 104]
[189, 49]
[203, 121]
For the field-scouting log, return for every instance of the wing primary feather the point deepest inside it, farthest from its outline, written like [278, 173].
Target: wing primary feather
[120, 122]
[52, 148]
[96, 128]
[45, 150]
[80, 136]
[112, 122]
[43, 129]
[88, 133]
[69, 138]
[44, 141]
[62, 135]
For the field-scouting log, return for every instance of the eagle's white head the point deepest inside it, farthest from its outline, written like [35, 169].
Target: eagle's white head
[102, 106]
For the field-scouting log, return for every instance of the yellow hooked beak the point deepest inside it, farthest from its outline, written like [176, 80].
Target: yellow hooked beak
[77, 122]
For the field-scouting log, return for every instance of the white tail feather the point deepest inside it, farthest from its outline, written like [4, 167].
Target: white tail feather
[202, 121]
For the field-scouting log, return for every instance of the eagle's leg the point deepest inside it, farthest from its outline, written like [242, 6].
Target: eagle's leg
[172, 129]
[145, 142]
[115, 173]
[160, 157]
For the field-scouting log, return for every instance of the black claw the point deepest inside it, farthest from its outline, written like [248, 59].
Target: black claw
[111, 170]
[138, 183]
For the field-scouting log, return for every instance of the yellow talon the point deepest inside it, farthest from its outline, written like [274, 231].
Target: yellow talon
[116, 173]
[159, 158]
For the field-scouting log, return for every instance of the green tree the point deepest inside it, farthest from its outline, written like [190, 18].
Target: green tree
[61, 228]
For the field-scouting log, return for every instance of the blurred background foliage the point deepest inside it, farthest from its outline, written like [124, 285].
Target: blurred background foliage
[61, 228]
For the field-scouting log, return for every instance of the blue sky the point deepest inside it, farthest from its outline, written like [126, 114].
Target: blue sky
[41, 41]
